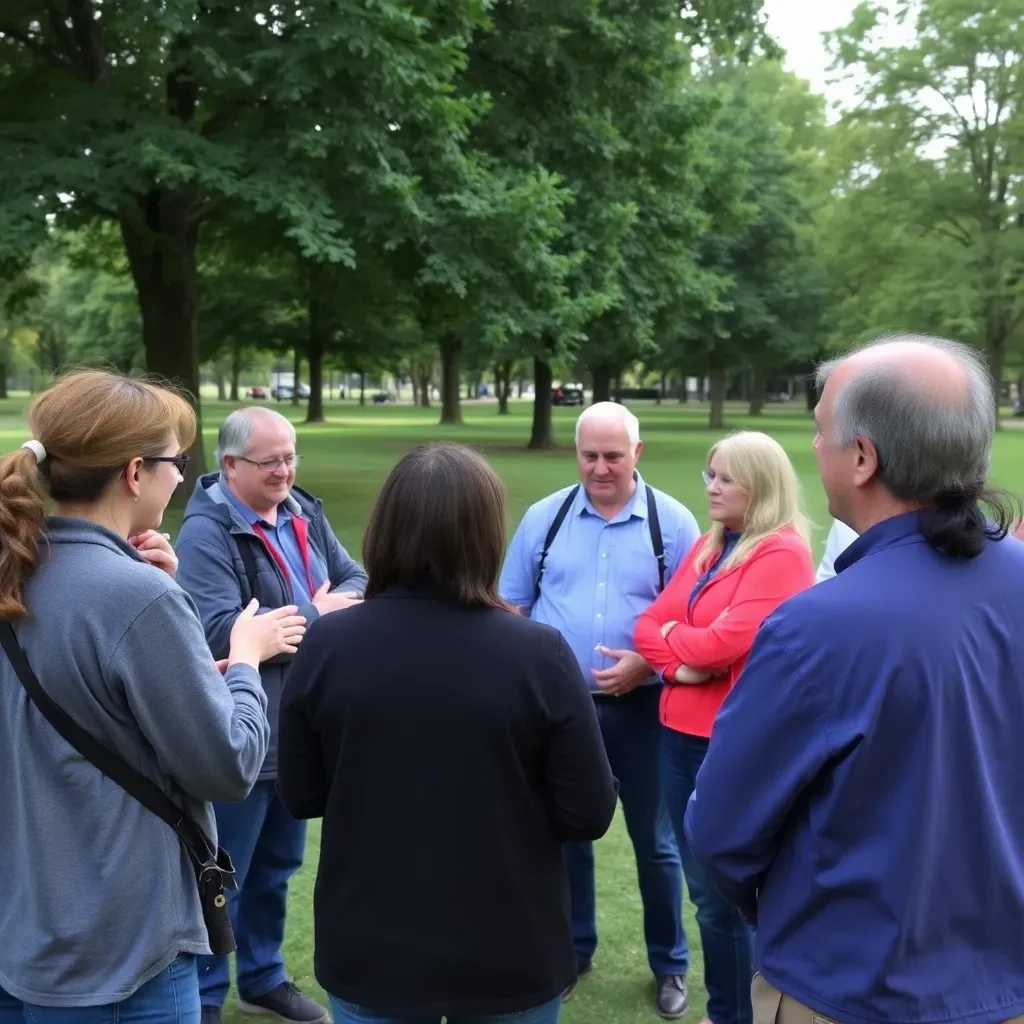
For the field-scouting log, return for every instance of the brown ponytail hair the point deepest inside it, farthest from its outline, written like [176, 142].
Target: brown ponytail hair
[92, 423]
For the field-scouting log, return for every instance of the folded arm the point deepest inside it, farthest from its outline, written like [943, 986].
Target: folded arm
[766, 581]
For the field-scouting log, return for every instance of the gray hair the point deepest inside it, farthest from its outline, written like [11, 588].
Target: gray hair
[928, 448]
[611, 411]
[236, 432]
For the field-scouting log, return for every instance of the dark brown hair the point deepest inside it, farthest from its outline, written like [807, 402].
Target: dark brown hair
[92, 423]
[439, 520]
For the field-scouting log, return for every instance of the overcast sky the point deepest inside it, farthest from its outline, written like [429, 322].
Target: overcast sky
[798, 25]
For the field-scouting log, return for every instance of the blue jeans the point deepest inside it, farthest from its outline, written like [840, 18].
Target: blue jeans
[172, 997]
[727, 941]
[632, 739]
[346, 1013]
[266, 845]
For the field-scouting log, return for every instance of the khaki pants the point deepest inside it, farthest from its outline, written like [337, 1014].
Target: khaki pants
[773, 1007]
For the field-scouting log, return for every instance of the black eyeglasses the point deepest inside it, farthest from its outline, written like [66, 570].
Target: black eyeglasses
[178, 461]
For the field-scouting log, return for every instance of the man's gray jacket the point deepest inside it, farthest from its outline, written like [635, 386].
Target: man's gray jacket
[213, 572]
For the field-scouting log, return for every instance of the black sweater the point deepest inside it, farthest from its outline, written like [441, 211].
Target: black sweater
[450, 752]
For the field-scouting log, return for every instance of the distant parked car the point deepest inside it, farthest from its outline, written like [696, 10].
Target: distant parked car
[567, 394]
[381, 397]
[1018, 407]
[257, 392]
[284, 391]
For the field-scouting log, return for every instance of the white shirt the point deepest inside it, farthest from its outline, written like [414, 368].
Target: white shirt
[840, 537]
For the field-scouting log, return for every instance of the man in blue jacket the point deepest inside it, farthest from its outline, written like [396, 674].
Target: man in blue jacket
[860, 800]
[250, 533]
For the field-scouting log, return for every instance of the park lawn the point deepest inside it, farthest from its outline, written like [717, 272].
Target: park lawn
[345, 462]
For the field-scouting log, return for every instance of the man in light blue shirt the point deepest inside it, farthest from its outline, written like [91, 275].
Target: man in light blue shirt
[588, 560]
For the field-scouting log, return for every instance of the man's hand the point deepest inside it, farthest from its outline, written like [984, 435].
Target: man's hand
[156, 549]
[668, 627]
[325, 602]
[628, 672]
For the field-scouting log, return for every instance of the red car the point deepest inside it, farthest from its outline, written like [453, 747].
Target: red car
[257, 392]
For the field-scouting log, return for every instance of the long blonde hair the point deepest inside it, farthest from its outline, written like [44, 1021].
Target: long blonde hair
[760, 464]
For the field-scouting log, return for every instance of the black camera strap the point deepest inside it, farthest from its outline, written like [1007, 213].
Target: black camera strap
[134, 783]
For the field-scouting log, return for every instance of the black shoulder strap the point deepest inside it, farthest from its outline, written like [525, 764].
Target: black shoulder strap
[133, 782]
[244, 544]
[654, 526]
[556, 525]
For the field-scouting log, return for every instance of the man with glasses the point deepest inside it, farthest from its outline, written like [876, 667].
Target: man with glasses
[249, 533]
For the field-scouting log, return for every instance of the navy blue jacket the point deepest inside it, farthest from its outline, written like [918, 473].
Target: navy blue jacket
[211, 570]
[861, 800]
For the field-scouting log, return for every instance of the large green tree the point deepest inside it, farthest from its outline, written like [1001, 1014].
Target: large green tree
[934, 158]
[158, 116]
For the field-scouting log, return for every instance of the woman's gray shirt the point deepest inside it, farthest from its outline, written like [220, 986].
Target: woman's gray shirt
[96, 894]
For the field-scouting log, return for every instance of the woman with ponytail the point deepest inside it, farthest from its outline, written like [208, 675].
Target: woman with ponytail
[100, 915]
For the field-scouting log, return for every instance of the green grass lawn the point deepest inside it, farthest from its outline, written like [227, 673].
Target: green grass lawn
[345, 462]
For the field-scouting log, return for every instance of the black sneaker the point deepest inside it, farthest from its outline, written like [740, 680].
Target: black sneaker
[673, 996]
[287, 1003]
[210, 1015]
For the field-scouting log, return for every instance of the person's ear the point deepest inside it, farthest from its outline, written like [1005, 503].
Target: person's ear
[132, 474]
[866, 461]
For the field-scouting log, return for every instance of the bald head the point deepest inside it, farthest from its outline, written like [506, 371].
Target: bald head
[936, 369]
[609, 414]
[904, 423]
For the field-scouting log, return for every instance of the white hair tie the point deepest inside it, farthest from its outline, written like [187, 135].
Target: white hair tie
[36, 449]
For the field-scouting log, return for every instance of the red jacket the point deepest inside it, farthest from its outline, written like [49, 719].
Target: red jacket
[718, 631]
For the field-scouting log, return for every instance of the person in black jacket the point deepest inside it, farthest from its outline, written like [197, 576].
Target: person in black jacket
[451, 746]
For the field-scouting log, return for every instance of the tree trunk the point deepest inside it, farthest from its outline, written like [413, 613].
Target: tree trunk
[716, 415]
[701, 388]
[542, 434]
[160, 236]
[362, 389]
[521, 385]
[602, 380]
[503, 384]
[812, 392]
[450, 345]
[415, 387]
[236, 370]
[3, 380]
[316, 343]
[617, 387]
[222, 384]
[997, 333]
[756, 393]
[664, 389]
[684, 391]
[424, 372]
[296, 373]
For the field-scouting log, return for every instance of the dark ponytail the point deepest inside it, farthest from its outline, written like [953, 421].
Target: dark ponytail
[958, 526]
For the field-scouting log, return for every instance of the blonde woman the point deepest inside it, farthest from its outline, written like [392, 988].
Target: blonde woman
[698, 634]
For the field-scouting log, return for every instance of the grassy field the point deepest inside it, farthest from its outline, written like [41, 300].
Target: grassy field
[346, 460]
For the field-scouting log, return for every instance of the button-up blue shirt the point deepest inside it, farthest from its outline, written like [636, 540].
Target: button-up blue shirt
[600, 574]
[286, 544]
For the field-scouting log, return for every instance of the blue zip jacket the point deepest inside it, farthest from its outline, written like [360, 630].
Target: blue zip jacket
[211, 570]
[861, 796]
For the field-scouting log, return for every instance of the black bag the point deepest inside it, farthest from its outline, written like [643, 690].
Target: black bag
[213, 867]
